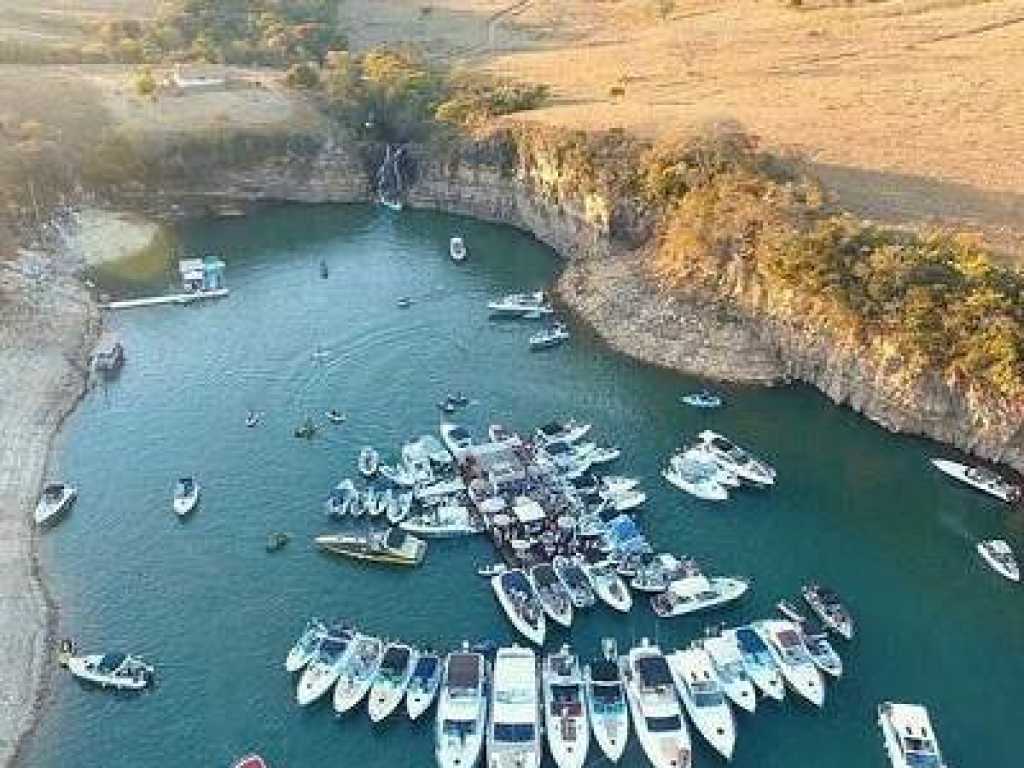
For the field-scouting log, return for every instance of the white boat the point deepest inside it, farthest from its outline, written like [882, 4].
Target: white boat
[656, 574]
[457, 249]
[343, 497]
[657, 717]
[399, 507]
[416, 462]
[369, 462]
[519, 600]
[322, 671]
[704, 699]
[616, 484]
[695, 478]
[697, 593]
[728, 665]
[829, 608]
[305, 647]
[553, 596]
[423, 685]
[575, 579]
[358, 673]
[55, 500]
[784, 642]
[981, 479]
[908, 736]
[702, 399]
[442, 522]
[561, 458]
[999, 556]
[456, 439]
[565, 715]
[609, 586]
[606, 702]
[569, 431]
[392, 680]
[112, 670]
[532, 304]
[823, 654]
[335, 416]
[623, 501]
[186, 496]
[513, 733]
[461, 711]
[603, 455]
[551, 336]
[758, 662]
[439, 490]
[734, 459]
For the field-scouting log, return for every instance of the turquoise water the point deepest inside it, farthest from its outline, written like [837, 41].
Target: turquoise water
[855, 507]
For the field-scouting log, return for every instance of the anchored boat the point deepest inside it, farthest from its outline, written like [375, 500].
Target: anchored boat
[392, 546]
[112, 670]
[999, 556]
[513, 734]
[186, 496]
[728, 664]
[423, 685]
[606, 701]
[56, 499]
[392, 680]
[358, 672]
[982, 479]
[791, 657]
[908, 736]
[461, 710]
[519, 600]
[703, 698]
[657, 717]
[565, 718]
[829, 608]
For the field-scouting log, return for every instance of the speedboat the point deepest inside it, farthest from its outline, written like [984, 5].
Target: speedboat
[565, 716]
[659, 572]
[457, 249]
[569, 431]
[461, 710]
[551, 592]
[250, 761]
[392, 680]
[369, 462]
[695, 478]
[186, 496]
[606, 702]
[513, 733]
[609, 586]
[456, 439]
[657, 717]
[618, 484]
[790, 655]
[335, 416]
[423, 685]
[829, 608]
[703, 399]
[324, 667]
[908, 736]
[623, 501]
[442, 522]
[253, 418]
[824, 655]
[56, 499]
[305, 647]
[999, 556]
[532, 304]
[602, 455]
[343, 497]
[703, 698]
[758, 662]
[728, 665]
[734, 459]
[551, 336]
[358, 673]
[112, 670]
[980, 478]
[520, 602]
[697, 593]
[575, 580]
[392, 546]
[789, 611]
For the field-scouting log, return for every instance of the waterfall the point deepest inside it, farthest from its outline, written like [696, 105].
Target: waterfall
[389, 178]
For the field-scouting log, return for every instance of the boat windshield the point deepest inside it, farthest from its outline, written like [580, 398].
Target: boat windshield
[662, 724]
[458, 728]
[513, 732]
[920, 753]
[707, 698]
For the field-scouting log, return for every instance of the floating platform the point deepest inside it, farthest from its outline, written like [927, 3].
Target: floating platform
[174, 298]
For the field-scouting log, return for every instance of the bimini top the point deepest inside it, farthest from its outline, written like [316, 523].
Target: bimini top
[604, 671]
[463, 670]
[653, 672]
[111, 662]
[425, 667]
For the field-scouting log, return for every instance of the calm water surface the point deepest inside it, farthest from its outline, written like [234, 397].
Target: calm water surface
[854, 507]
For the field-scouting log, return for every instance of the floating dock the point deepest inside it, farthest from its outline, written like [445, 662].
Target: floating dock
[174, 298]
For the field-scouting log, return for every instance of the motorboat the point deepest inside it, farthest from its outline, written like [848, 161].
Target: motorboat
[562, 459]
[186, 496]
[829, 608]
[569, 431]
[520, 603]
[701, 455]
[306, 646]
[551, 336]
[392, 546]
[734, 459]
[416, 462]
[457, 249]
[697, 593]
[369, 462]
[440, 490]
[423, 685]
[606, 702]
[250, 761]
[55, 500]
[399, 507]
[602, 455]
[758, 662]
[908, 736]
[623, 501]
[533, 304]
[358, 673]
[565, 714]
[306, 430]
[553, 596]
[705, 702]
[342, 498]
[656, 574]
[982, 479]
[695, 478]
[703, 399]
[657, 717]
[823, 654]
[999, 556]
[728, 665]
[404, 302]
[513, 733]
[456, 439]
[112, 670]
[461, 710]
[787, 648]
[616, 484]
[253, 418]
[790, 611]
[335, 416]
[276, 540]
[442, 522]
[362, 502]
[392, 680]
[576, 582]
[609, 586]
[324, 666]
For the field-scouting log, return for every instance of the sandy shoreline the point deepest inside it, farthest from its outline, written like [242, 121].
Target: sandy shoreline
[48, 325]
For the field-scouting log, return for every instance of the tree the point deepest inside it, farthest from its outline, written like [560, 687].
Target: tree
[302, 76]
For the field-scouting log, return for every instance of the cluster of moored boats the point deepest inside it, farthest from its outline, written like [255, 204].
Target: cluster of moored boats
[712, 465]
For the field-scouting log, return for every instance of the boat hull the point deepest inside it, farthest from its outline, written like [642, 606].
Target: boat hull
[534, 633]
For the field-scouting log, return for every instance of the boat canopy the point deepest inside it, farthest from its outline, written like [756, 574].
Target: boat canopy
[604, 671]
[396, 657]
[463, 670]
[653, 672]
[425, 667]
[111, 662]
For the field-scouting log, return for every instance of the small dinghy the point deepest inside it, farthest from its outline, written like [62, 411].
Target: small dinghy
[112, 670]
[253, 418]
[323, 270]
[829, 608]
[824, 655]
[490, 571]
[56, 499]
[186, 496]
[335, 416]
[606, 701]
[250, 761]
[703, 399]
[549, 337]
[457, 249]
[999, 556]
[404, 302]
[369, 462]
[306, 430]
[423, 685]
[277, 540]
[306, 646]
